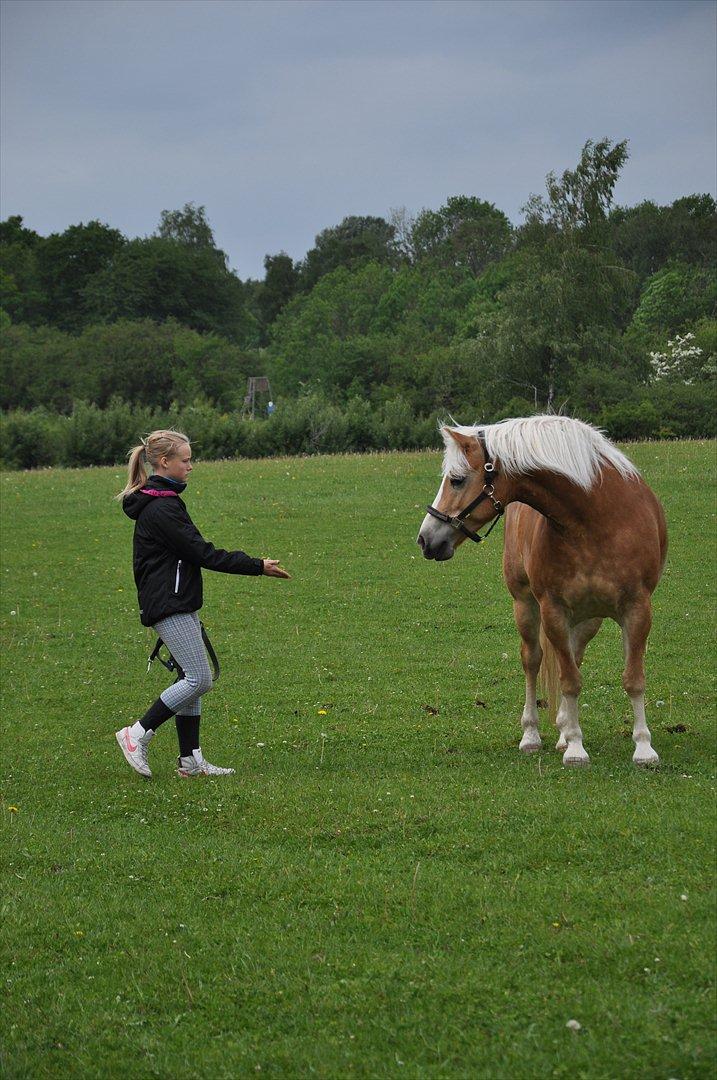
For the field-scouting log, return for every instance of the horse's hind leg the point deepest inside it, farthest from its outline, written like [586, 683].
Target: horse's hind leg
[580, 637]
[527, 619]
[636, 625]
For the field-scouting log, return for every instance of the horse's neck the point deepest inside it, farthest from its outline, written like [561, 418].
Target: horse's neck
[564, 503]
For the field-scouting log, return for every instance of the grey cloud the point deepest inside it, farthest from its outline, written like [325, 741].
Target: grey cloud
[283, 117]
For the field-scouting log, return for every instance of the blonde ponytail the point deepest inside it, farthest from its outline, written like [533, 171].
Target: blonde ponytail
[144, 458]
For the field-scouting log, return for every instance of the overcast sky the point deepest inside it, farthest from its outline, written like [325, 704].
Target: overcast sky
[283, 116]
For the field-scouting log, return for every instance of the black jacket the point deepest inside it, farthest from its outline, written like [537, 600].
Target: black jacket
[169, 551]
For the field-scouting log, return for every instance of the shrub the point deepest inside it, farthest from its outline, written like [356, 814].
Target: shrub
[360, 424]
[30, 440]
[686, 411]
[396, 426]
[308, 425]
[630, 420]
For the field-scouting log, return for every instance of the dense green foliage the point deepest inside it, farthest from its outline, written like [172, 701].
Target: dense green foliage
[386, 888]
[455, 309]
[147, 363]
[309, 424]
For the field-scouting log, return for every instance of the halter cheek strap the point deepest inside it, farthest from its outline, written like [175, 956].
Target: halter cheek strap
[459, 521]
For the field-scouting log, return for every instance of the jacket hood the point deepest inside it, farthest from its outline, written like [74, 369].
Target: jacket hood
[156, 487]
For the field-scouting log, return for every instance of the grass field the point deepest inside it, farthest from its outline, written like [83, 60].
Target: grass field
[386, 888]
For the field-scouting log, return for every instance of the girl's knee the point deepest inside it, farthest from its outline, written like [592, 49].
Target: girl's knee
[205, 683]
[199, 682]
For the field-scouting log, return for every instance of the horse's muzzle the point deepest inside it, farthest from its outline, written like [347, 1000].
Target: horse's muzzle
[440, 551]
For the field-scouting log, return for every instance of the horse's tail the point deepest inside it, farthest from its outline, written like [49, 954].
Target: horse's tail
[548, 676]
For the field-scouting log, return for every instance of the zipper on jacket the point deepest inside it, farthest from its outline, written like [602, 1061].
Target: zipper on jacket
[176, 580]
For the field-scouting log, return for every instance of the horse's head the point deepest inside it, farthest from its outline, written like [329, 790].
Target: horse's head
[466, 498]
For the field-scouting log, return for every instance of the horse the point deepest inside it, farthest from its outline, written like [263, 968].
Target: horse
[585, 540]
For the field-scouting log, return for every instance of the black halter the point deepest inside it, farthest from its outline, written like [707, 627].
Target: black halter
[459, 521]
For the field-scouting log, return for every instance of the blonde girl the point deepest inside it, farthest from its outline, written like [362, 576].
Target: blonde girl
[169, 553]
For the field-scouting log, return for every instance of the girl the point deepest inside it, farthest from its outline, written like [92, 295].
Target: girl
[168, 554]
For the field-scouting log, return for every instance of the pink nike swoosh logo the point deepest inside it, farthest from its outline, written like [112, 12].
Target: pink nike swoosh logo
[127, 741]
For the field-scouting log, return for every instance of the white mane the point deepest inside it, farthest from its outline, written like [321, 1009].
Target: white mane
[557, 444]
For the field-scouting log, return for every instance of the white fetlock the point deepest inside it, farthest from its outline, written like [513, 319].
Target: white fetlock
[531, 741]
[576, 754]
[645, 755]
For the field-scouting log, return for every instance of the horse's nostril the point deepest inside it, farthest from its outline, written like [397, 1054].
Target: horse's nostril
[421, 542]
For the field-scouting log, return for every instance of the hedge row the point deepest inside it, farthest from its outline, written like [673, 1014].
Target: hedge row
[307, 425]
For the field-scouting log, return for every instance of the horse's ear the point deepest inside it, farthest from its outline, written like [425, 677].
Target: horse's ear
[465, 442]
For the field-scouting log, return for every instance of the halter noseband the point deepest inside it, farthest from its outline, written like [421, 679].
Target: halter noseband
[459, 521]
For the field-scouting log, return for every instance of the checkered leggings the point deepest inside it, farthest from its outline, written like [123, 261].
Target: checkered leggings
[182, 635]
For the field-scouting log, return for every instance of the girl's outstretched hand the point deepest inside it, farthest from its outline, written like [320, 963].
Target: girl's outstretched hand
[272, 569]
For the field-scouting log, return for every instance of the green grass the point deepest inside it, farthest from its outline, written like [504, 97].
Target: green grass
[381, 891]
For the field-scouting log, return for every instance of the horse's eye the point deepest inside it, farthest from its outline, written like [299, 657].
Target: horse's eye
[457, 481]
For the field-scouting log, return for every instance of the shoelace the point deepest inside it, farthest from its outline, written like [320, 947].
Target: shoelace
[191, 764]
[212, 770]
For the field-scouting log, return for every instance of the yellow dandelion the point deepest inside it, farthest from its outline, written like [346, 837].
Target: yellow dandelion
[323, 712]
[13, 809]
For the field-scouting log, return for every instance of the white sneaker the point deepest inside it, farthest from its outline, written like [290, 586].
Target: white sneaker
[195, 765]
[135, 750]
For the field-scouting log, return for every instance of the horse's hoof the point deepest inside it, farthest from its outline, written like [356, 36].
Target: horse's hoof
[573, 762]
[647, 762]
[561, 744]
[532, 748]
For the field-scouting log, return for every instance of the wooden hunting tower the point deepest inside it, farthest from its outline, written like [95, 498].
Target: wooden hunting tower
[256, 386]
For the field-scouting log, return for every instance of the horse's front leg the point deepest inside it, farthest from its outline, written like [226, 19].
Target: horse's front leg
[558, 634]
[527, 619]
[636, 625]
[580, 637]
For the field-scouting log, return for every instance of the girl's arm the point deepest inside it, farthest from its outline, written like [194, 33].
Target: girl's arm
[181, 535]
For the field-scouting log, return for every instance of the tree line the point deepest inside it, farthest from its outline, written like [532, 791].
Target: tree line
[605, 311]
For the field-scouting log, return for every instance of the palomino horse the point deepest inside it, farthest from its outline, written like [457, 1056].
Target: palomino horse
[585, 540]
